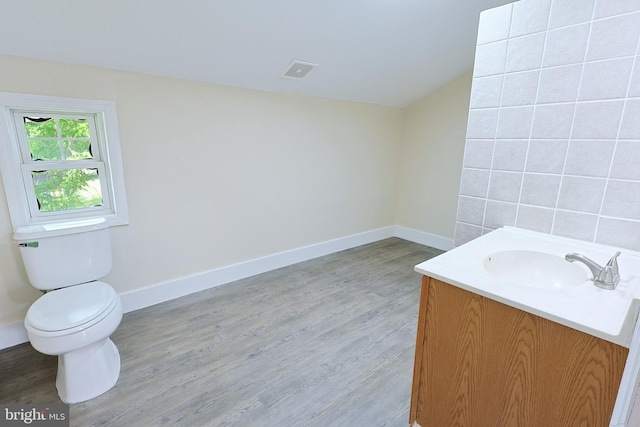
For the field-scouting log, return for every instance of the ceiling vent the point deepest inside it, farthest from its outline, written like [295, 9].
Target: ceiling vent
[299, 69]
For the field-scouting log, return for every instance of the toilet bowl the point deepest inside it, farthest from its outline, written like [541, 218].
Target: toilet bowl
[75, 318]
[75, 324]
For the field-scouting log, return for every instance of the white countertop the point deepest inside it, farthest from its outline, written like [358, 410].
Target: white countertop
[607, 314]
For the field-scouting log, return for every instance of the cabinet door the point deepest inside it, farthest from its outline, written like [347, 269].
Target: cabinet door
[482, 363]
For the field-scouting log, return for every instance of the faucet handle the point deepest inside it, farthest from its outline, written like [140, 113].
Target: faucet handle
[613, 263]
[608, 278]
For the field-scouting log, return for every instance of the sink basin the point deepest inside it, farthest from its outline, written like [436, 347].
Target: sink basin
[534, 269]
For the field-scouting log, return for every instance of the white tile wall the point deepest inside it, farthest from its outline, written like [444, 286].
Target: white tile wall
[519, 89]
[553, 121]
[608, 79]
[486, 92]
[553, 139]
[621, 199]
[617, 232]
[540, 189]
[482, 123]
[466, 231]
[606, 8]
[472, 209]
[626, 160]
[515, 122]
[634, 86]
[591, 157]
[614, 37]
[490, 59]
[525, 53]
[575, 225]
[498, 214]
[546, 155]
[565, 45]
[494, 25]
[478, 154]
[582, 194]
[509, 155]
[529, 17]
[505, 186]
[630, 128]
[597, 119]
[535, 218]
[570, 12]
[559, 84]
[474, 182]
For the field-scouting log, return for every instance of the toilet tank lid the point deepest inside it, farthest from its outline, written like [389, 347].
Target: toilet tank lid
[59, 229]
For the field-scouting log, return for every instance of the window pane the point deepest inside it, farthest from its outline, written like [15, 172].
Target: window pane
[74, 128]
[45, 149]
[40, 127]
[65, 189]
[77, 149]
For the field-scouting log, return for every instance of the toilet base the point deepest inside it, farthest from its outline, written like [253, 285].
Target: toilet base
[88, 372]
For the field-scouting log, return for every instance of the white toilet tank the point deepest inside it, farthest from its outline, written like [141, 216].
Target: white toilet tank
[65, 254]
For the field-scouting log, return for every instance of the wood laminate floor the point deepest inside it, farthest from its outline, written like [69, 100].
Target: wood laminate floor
[326, 342]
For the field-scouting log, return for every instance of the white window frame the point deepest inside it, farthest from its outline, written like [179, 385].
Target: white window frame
[17, 179]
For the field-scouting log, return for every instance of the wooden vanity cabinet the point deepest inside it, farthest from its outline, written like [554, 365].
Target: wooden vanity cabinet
[482, 363]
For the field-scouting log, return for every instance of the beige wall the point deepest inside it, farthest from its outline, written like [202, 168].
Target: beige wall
[217, 175]
[431, 159]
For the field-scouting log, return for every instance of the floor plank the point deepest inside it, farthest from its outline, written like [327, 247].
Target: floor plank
[326, 342]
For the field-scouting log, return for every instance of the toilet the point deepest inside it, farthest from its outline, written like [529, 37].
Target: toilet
[78, 313]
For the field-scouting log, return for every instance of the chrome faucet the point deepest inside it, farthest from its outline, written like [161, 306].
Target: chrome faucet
[606, 277]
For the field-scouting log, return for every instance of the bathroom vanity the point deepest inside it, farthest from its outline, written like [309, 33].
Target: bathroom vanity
[511, 334]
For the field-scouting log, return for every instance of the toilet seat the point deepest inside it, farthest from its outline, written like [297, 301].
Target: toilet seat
[71, 309]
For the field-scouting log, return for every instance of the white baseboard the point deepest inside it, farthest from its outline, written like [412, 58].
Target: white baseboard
[145, 297]
[14, 333]
[423, 238]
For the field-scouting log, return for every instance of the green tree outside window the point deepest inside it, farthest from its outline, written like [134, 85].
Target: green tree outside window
[52, 139]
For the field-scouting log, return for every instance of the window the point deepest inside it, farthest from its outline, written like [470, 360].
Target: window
[61, 160]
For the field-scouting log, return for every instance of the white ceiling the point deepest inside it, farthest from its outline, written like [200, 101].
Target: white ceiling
[389, 52]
